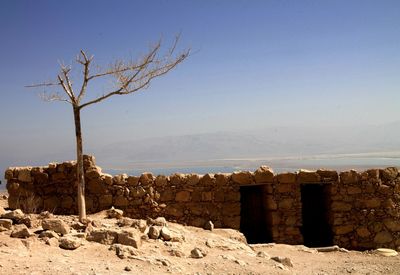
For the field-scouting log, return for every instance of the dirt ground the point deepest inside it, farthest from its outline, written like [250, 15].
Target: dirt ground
[226, 253]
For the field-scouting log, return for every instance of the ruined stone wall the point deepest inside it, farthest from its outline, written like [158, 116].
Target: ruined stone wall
[189, 199]
[363, 208]
[366, 209]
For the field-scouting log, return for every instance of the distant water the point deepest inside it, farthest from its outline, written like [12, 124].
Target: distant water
[339, 164]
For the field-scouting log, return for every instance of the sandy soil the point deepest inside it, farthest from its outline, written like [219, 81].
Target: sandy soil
[227, 253]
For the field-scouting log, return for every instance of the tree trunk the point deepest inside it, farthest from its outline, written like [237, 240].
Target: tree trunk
[80, 173]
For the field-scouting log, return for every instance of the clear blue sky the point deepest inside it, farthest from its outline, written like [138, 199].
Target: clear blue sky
[256, 64]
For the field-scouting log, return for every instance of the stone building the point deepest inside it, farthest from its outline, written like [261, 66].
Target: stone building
[355, 210]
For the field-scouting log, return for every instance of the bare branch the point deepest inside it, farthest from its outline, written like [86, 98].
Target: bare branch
[44, 84]
[53, 97]
[136, 76]
[86, 65]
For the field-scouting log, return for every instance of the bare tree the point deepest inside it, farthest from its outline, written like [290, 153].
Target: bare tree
[129, 77]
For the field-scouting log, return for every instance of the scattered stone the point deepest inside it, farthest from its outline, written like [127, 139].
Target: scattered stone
[16, 215]
[2, 211]
[6, 223]
[128, 268]
[283, 260]
[49, 234]
[197, 253]
[78, 226]
[20, 231]
[209, 226]
[160, 221]
[131, 238]
[56, 225]
[386, 252]
[125, 222]
[140, 224]
[103, 235]
[240, 262]
[46, 215]
[113, 213]
[122, 251]
[69, 242]
[263, 254]
[52, 242]
[154, 232]
[166, 234]
[176, 253]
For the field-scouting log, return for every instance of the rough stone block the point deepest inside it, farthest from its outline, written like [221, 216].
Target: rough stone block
[343, 229]
[389, 173]
[222, 179]
[146, 178]
[24, 175]
[363, 232]
[392, 225]
[286, 187]
[328, 175]
[286, 204]
[121, 201]
[207, 180]
[286, 177]
[105, 201]
[206, 196]
[130, 237]
[383, 237]
[193, 179]
[182, 196]
[264, 174]
[161, 180]
[305, 176]
[340, 206]
[242, 177]
[349, 177]
[372, 203]
[177, 179]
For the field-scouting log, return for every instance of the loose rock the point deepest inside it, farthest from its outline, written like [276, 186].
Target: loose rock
[20, 231]
[69, 242]
[154, 232]
[56, 225]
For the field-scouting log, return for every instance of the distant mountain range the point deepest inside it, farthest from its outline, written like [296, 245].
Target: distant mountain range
[268, 143]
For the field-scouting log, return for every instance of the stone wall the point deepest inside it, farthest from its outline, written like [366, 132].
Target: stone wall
[363, 209]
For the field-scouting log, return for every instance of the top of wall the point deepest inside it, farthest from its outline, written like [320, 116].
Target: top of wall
[262, 175]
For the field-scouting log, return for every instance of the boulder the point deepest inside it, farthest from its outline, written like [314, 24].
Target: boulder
[197, 253]
[16, 215]
[140, 224]
[283, 260]
[52, 241]
[166, 234]
[6, 223]
[103, 235]
[160, 221]
[123, 251]
[49, 234]
[113, 213]
[130, 237]
[154, 232]
[69, 242]
[20, 231]
[209, 226]
[56, 225]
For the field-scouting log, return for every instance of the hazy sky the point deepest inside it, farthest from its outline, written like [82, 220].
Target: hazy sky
[255, 64]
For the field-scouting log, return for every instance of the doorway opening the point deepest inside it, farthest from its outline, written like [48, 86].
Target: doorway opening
[316, 229]
[254, 218]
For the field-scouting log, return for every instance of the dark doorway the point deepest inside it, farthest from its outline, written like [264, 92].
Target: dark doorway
[253, 214]
[316, 229]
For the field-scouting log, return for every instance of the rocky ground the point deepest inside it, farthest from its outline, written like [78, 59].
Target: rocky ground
[112, 244]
